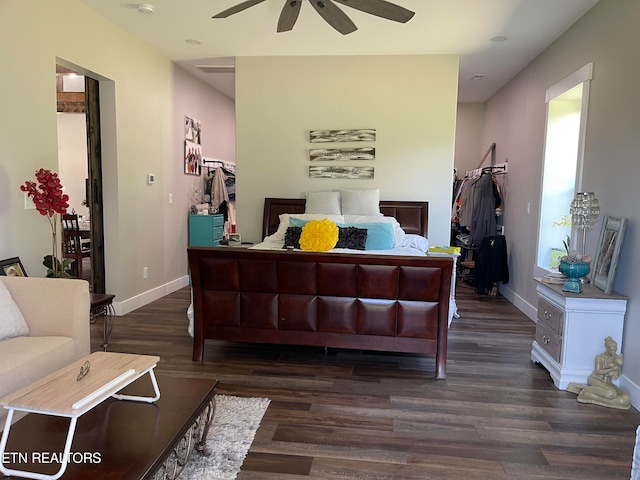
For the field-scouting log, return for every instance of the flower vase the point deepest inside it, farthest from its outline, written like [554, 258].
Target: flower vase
[574, 272]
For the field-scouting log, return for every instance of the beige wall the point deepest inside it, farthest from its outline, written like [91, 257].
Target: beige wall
[469, 146]
[143, 100]
[409, 100]
[72, 158]
[608, 36]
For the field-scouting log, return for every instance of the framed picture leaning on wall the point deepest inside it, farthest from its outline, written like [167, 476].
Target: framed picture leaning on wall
[12, 267]
[608, 253]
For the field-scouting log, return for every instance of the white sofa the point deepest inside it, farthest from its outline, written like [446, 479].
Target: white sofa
[57, 314]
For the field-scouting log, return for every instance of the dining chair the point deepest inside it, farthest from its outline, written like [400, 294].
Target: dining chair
[73, 246]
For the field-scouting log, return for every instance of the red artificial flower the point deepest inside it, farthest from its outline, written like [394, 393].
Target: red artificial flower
[50, 201]
[48, 196]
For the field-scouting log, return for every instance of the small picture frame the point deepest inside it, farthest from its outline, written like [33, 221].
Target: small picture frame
[12, 267]
[608, 253]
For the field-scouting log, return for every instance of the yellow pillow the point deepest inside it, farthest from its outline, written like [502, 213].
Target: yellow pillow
[319, 235]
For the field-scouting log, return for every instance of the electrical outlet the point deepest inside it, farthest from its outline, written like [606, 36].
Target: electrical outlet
[528, 208]
[170, 198]
[145, 272]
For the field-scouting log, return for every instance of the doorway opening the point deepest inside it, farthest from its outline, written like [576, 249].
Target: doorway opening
[80, 163]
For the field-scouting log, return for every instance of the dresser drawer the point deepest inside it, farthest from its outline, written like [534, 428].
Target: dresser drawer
[218, 233]
[551, 316]
[218, 221]
[549, 341]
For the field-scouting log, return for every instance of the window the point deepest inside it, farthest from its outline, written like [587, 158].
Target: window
[562, 171]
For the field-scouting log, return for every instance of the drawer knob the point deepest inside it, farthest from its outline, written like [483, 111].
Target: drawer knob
[546, 315]
[545, 340]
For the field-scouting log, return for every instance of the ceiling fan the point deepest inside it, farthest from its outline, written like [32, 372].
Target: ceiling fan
[328, 10]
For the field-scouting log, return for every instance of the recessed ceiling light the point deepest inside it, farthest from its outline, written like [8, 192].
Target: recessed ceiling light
[477, 76]
[499, 38]
[146, 8]
[192, 41]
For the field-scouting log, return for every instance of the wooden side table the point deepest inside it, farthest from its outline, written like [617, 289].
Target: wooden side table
[102, 306]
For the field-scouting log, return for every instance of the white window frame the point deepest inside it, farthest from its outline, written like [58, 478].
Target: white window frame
[582, 76]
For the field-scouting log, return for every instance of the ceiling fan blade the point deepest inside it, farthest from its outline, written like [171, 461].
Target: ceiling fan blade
[289, 15]
[334, 16]
[381, 8]
[237, 8]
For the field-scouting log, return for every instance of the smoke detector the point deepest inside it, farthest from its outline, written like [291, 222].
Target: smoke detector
[145, 8]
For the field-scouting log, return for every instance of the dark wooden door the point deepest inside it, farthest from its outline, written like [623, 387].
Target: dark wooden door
[94, 187]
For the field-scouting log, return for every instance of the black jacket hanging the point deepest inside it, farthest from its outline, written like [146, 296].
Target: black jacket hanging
[491, 263]
[483, 222]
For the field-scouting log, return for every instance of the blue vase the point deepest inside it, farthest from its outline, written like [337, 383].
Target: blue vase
[574, 272]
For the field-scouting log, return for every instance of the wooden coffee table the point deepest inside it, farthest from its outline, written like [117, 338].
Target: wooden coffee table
[115, 439]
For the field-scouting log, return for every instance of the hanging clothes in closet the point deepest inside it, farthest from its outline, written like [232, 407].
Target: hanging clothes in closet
[220, 197]
[478, 202]
[483, 220]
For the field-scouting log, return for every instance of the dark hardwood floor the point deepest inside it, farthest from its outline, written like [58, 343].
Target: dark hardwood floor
[376, 416]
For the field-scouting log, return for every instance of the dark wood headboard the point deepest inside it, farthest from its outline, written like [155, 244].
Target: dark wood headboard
[413, 217]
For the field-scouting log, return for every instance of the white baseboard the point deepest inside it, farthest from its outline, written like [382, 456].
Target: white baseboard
[130, 304]
[520, 303]
[633, 389]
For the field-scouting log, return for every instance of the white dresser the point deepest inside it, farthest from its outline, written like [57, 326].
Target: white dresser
[571, 329]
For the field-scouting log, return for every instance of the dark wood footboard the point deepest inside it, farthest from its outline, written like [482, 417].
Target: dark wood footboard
[360, 301]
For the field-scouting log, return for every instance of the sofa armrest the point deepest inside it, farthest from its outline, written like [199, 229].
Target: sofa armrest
[53, 306]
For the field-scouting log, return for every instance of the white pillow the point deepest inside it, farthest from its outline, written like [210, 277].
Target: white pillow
[323, 202]
[284, 223]
[398, 232]
[415, 241]
[360, 202]
[12, 322]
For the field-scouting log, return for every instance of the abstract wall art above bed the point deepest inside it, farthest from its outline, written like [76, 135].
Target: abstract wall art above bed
[348, 135]
[360, 173]
[333, 154]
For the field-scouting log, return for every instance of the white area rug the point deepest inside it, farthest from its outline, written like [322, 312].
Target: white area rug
[232, 431]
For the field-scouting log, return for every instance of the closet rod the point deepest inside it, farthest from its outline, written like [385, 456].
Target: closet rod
[495, 170]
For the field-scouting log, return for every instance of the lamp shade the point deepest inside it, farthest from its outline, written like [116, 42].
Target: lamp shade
[584, 210]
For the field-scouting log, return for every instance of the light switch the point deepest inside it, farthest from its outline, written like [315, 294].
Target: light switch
[28, 202]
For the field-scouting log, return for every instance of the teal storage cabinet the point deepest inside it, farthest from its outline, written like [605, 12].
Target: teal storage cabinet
[205, 230]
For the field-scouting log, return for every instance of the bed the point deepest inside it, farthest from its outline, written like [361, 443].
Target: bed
[341, 299]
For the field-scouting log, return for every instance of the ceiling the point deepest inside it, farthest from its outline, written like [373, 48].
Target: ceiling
[185, 32]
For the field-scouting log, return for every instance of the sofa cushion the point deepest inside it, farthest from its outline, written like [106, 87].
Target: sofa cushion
[23, 360]
[12, 322]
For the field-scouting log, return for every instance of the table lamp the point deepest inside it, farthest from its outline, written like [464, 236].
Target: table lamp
[584, 211]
